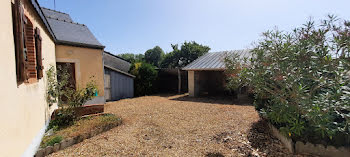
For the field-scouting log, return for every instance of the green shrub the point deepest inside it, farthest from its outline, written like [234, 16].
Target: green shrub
[67, 96]
[146, 76]
[51, 89]
[301, 80]
[78, 97]
[52, 141]
[62, 119]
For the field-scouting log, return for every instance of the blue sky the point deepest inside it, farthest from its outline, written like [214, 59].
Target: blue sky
[133, 26]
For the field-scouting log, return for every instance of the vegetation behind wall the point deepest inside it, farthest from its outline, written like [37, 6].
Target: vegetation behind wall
[145, 77]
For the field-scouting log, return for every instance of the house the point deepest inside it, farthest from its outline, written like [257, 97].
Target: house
[119, 83]
[206, 74]
[27, 45]
[78, 48]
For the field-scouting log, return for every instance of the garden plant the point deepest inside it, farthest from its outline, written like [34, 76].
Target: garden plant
[300, 80]
[67, 96]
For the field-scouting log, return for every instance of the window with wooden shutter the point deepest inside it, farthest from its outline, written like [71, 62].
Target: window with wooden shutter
[39, 59]
[27, 46]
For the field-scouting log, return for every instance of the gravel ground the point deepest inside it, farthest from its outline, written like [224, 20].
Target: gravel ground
[181, 126]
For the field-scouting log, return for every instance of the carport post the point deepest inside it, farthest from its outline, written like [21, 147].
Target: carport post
[179, 80]
[193, 86]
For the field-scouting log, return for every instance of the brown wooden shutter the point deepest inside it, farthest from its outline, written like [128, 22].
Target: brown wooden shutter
[23, 54]
[19, 41]
[39, 59]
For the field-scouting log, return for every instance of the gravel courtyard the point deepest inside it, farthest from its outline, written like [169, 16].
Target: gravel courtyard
[181, 126]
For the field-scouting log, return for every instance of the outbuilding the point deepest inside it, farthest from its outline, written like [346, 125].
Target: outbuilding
[206, 74]
[119, 83]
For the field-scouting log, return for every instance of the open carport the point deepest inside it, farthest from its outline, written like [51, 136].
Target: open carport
[206, 74]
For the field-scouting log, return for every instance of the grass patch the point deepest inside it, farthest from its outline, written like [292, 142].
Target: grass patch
[51, 140]
[80, 127]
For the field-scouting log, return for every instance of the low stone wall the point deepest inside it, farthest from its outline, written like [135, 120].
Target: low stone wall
[69, 142]
[84, 110]
[309, 148]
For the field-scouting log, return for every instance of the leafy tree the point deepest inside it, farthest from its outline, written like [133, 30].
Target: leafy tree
[132, 58]
[189, 52]
[154, 56]
[146, 76]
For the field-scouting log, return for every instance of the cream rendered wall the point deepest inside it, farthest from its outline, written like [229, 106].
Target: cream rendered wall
[24, 110]
[193, 86]
[88, 63]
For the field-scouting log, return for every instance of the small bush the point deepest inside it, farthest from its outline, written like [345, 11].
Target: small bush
[62, 119]
[67, 95]
[146, 76]
[78, 97]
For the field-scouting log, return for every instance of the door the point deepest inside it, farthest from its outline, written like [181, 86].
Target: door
[66, 69]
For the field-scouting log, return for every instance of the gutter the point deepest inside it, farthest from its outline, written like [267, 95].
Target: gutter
[69, 43]
[218, 69]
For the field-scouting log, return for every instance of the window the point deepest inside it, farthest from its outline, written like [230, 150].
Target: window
[27, 46]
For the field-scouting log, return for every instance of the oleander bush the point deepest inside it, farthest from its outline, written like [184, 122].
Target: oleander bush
[300, 80]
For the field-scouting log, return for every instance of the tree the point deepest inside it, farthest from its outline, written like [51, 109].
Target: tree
[145, 77]
[189, 52]
[132, 58]
[154, 56]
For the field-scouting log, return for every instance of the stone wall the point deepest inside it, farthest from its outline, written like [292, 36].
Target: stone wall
[309, 148]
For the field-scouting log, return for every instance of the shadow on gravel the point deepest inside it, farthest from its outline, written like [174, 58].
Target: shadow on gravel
[224, 100]
[260, 138]
[214, 155]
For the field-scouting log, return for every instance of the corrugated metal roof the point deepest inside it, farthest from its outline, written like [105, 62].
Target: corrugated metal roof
[214, 60]
[116, 62]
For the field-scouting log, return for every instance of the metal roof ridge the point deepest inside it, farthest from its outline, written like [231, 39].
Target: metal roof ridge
[120, 71]
[116, 56]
